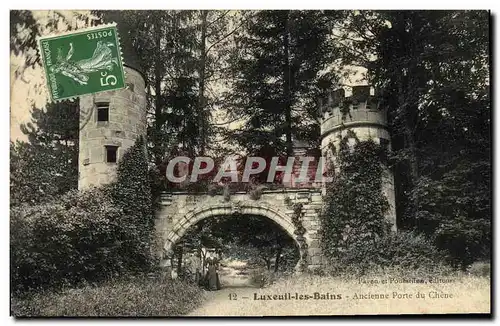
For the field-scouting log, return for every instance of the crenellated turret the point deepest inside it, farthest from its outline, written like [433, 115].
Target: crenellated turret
[360, 113]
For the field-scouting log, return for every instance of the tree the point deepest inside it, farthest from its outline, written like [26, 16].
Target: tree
[46, 166]
[246, 236]
[276, 78]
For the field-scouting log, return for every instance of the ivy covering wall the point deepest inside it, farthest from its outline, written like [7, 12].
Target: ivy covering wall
[355, 204]
[132, 192]
[355, 233]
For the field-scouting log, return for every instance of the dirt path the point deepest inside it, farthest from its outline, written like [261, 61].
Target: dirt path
[236, 296]
[229, 301]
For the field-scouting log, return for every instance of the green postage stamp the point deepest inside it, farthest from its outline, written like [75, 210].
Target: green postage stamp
[82, 62]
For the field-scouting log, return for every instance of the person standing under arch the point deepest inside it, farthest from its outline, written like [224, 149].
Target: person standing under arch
[212, 276]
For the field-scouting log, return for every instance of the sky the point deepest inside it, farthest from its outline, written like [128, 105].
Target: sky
[23, 94]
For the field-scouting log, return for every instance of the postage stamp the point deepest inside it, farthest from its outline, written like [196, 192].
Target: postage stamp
[82, 62]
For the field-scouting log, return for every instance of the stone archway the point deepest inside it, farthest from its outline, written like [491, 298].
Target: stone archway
[178, 230]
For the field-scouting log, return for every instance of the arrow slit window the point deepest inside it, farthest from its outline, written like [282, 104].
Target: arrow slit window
[111, 154]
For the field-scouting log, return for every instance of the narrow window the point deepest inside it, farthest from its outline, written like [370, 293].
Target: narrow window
[102, 111]
[111, 156]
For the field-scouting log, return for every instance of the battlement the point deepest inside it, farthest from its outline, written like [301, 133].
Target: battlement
[362, 108]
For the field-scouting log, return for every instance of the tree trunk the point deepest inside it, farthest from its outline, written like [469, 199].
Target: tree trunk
[276, 263]
[157, 85]
[286, 86]
[406, 103]
[179, 261]
[201, 93]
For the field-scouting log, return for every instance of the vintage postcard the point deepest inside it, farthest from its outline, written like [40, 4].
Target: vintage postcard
[171, 163]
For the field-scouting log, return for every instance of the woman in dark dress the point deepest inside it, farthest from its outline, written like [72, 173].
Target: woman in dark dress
[212, 277]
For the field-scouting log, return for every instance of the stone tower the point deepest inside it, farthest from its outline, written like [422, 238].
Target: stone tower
[361, 114]
[110, 123]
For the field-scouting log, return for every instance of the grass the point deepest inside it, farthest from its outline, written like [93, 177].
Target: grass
[137, 297]
[464, 294]
[480, 269]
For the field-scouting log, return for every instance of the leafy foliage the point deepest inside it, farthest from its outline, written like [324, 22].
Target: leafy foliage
[89, 235]
[65, 241]
[355, 235]
[403, 250]
[431, 69]
[47, 165]
[245, 237]
[132, 193]
[182, 55]
[300, 230]
[461, 223]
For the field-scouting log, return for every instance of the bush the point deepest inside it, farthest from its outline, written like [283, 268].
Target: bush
[136, 297]
[402, 250]
[66, 241]
[256, 192]
[481, 269]
[262, 277]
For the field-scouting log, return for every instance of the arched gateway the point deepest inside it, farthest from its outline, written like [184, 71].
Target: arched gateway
[180, 211]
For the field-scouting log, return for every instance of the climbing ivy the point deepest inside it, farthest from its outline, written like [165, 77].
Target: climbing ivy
[86, 236]
[355, 235]
[132, 192]
[344, 107]
[355, 205]
[299, 232]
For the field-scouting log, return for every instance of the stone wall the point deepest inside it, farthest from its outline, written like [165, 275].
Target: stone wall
[179, 211]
